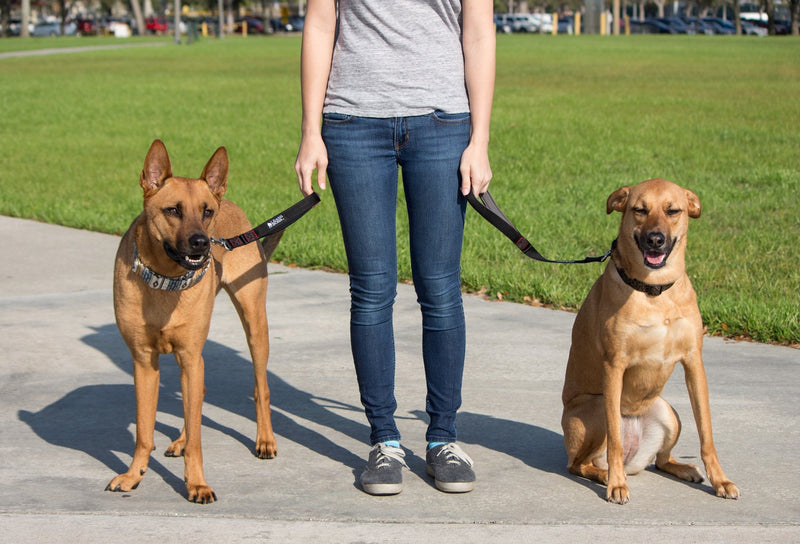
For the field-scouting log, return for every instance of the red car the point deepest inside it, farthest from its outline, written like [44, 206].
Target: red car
[156, 26]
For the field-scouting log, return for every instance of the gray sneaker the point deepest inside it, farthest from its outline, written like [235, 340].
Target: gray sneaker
[383, 474]
[451, 468]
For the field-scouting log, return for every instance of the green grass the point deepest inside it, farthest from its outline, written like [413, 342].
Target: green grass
[574, 119]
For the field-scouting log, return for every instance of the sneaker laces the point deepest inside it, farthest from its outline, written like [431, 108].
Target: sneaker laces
[384, 455]
[453, 454]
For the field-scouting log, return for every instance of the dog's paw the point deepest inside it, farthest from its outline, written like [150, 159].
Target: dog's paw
[175, 449]
[619, 494]
[684, 471]
[266, 449]
[726, 490]
[201, 494]
[125, 482]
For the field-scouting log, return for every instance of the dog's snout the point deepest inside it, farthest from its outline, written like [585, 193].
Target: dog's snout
[656, 240]
[198, 243]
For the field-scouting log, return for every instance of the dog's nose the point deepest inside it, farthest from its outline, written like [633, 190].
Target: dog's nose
[656, 240]
[198, 243]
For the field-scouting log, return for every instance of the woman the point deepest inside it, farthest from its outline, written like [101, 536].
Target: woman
[405, 84]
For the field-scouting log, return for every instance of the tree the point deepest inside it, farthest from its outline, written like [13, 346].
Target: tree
[5, 18]
[769, 7]
[137, 14]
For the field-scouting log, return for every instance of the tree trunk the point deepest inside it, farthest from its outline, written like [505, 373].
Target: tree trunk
[5, 19]
[137, 14]
[26, 18]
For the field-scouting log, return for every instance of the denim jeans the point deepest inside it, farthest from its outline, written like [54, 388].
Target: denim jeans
[364, 157]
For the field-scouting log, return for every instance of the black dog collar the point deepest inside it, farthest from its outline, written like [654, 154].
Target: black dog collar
[646, 288]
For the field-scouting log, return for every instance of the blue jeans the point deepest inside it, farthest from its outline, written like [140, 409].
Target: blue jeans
[364, 156]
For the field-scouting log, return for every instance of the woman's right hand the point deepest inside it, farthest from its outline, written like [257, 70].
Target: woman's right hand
[312, 155]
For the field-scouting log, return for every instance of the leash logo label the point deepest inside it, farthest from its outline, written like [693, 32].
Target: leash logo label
[275, 221]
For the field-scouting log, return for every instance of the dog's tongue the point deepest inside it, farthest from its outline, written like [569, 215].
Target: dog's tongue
[654, 258]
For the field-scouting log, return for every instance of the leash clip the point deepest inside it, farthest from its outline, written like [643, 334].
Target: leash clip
[222, 242]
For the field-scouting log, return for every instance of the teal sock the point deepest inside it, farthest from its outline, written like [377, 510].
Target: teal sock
[432, 445]
[393, 443]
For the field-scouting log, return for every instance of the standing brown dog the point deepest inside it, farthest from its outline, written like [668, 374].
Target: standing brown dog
[639, 320]
[166, 277]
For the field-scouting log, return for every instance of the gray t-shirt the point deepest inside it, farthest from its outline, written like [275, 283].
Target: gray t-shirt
[396, 58]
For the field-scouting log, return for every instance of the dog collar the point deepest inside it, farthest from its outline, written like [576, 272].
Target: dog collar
[649, 289]
[166, 283]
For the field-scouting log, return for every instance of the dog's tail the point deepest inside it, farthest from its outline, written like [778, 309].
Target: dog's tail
[270, 242]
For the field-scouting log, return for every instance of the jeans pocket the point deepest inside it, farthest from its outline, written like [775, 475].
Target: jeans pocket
[451, 118]
[335, 118]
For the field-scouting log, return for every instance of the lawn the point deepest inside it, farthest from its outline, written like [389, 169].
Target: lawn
[575, 118]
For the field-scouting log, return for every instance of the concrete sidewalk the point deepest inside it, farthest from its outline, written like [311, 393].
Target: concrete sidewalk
[67, 424]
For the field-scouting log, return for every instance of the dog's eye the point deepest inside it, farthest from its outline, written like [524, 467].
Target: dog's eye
[673, 212]
[640, 211]
[208, 213]
[172, 211]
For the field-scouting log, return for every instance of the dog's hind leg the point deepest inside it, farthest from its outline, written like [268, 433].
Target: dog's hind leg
[585, 437]
[662, 427]
[146, 379]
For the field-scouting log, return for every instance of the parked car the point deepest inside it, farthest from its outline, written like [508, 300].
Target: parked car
[676, 24]
[697, 25]
[650, 26]
[545, 22]
[720, 26]
[519, 22]
[14, 27]
[566, 25]
[155, 25]
[501, 26]
[119, 26]
[87, 26]
[254, 25]
[291, 24]
[296, 23]
[752, 29]
[53, 29]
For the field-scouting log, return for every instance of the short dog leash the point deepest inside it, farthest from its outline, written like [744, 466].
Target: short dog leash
[271, 225]
[489, 210]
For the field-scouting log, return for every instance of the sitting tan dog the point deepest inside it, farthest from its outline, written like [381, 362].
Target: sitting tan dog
[166, 277]
[639, 320]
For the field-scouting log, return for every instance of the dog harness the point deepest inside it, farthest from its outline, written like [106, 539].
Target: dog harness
[155, 280]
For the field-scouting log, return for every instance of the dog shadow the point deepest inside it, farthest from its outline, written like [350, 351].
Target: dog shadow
[99, 420]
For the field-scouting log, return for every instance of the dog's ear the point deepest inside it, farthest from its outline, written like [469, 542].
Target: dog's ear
[216, 172]
[618, 200]
[156, 168]
[694, 204]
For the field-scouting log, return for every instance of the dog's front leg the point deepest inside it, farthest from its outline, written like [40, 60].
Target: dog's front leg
[697, 385]
[192, 387]
[617, 490]
[145, 379]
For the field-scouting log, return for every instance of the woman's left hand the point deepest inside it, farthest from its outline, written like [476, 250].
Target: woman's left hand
[476, 172]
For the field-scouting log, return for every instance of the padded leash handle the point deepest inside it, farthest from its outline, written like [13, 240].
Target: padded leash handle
[271, 225]
[489, 210]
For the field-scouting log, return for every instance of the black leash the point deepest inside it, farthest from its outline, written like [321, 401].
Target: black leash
[272, 225]
[489, 210]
